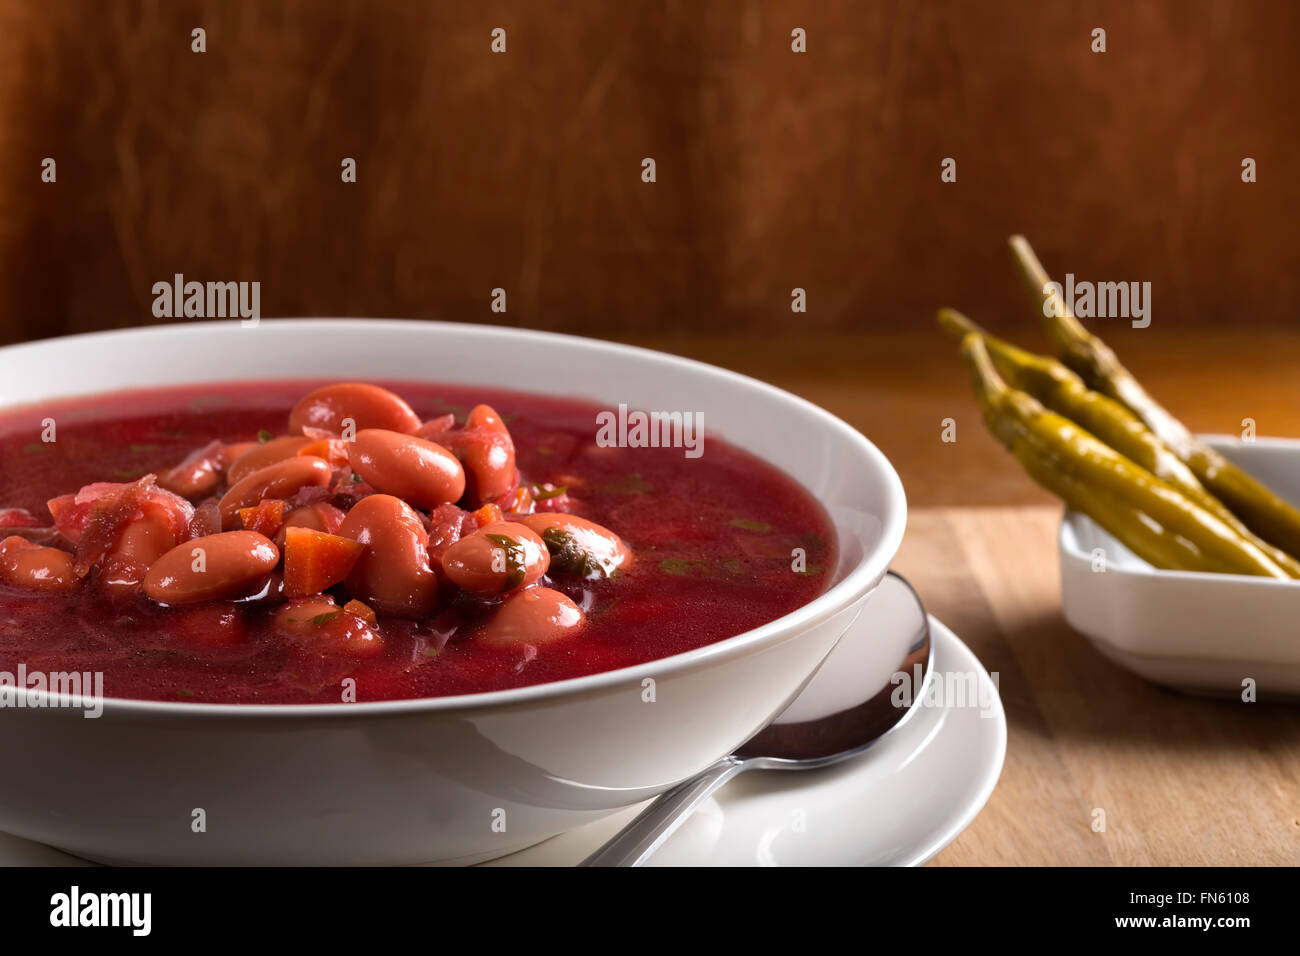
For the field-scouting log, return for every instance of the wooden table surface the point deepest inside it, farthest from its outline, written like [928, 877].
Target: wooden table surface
[1181, 779]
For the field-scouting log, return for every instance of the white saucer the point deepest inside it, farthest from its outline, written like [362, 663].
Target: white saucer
[899, 805]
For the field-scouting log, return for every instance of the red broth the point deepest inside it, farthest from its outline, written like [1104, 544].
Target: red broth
[713, 539]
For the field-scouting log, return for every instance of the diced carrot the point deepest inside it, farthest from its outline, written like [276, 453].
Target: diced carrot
[265, 517]
[520, 502]
[362, 610]
[315, 560]
[490, 513]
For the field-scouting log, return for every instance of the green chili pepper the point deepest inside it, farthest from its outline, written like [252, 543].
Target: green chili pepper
[1259, 508]
[1064, 392]
[1148, 515]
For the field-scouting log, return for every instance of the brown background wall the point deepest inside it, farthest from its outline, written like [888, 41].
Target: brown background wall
[522, 170]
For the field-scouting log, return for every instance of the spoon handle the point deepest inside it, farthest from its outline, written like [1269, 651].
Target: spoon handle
[633, 845]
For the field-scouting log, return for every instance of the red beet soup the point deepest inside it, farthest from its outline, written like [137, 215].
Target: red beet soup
[313, 542]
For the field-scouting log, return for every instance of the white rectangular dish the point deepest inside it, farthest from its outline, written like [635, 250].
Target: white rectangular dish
[1215, 634]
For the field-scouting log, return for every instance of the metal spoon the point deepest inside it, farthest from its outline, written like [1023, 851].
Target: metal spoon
[828, 722]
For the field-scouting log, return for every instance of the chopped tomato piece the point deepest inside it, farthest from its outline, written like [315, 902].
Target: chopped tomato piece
[69, 514]
[265, 517]
[435, 428]
[306, 496]
[93, 519]
[23, 523]
[331, 516]
[447, 525]
[349, 486]
[315, 560]
[17, 518]
[207, 519]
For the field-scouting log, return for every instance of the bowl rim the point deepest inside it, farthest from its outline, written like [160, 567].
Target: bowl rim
[841, 595]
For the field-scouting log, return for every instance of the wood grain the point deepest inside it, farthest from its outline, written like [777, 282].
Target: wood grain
[1182, 780]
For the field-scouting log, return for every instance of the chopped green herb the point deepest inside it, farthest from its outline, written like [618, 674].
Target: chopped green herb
[320, 620]
[514, 551]
[357, 479]
[183, 692]
[813, 542]
[35, 447]
[757, 526]
[142, 449]
[542, 494]
[812, 570]
[731, 566]
[774, 546]
[604, 607]
[431, 652]
[632, 484]
[264, 436]
[570, 557]
[543, 450]
[678, 566]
